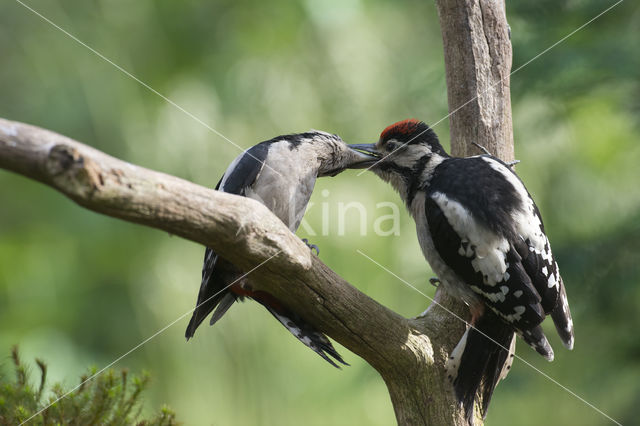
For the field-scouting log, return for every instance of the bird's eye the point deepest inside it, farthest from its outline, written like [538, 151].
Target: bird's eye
[389, 146]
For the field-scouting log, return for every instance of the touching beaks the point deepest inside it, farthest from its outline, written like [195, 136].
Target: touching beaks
[369, 148]
[367, 155]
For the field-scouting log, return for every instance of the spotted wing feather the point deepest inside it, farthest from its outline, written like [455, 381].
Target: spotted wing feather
[495, 241]
[490, 252]
[513, 298]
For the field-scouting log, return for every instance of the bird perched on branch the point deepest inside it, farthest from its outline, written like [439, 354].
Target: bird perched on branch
[483, 236]
[280, 173]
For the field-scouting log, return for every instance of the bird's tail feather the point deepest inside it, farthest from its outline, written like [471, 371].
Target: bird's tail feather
[225, 303]
[217, 276]
[300, 328]
[479, 361]
[202, 310]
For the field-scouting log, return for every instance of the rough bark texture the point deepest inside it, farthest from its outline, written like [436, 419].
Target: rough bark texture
[409, 354]
[477, 55]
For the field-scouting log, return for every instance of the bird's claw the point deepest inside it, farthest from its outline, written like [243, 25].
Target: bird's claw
[435, 281]
[311, 246]
[512, 163]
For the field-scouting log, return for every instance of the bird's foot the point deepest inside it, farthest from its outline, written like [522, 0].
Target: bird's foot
[512, 163]
[435, 281]
[311, 246]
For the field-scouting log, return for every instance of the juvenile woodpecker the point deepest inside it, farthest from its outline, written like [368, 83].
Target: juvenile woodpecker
[280, 173]
[482, 234]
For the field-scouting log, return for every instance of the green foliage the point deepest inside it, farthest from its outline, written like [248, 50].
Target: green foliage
[111, 398]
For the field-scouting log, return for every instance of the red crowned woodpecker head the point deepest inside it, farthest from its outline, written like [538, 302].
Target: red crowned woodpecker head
[408, 132]
[406, 149]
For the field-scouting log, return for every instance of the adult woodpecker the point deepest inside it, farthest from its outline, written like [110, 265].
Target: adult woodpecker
[280, 173]
[482, 234]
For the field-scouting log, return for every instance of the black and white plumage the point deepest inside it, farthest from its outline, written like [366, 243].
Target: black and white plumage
[280, 173]
[483, 236]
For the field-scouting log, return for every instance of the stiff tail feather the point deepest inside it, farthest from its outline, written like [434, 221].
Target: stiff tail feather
[203, 309]
[303, 331]
[480, 361]
[217, 276]
[224, 305]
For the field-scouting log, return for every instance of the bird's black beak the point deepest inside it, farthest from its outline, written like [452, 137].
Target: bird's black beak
[369, 148]
[367, 155]
[364, 156]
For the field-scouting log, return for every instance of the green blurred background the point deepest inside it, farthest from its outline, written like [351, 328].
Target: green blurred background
[80, 289]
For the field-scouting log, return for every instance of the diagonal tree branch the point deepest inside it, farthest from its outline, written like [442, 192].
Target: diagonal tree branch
[242, 230]
[409, 354]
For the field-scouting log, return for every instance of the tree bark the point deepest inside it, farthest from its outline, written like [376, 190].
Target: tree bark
[477, 56]
[409, 354]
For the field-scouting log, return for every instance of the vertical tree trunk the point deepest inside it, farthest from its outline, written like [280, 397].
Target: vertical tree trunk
[420, 391]
[477, 53]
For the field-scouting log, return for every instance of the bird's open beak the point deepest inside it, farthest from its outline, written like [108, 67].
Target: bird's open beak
[367, 155]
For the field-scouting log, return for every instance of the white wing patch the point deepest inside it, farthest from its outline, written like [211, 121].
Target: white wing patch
[527, 222]
[487, 249]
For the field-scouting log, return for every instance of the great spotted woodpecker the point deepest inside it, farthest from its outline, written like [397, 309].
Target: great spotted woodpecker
[482, 234]
[280, 173]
